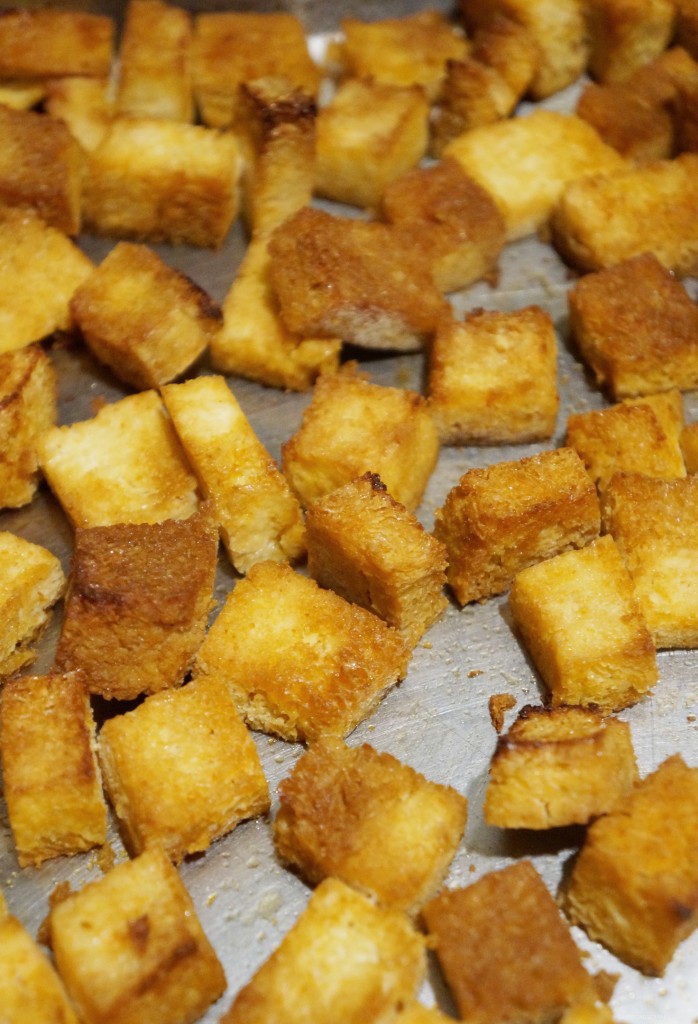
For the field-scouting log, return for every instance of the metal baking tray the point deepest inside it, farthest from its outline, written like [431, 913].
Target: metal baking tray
[437, 719]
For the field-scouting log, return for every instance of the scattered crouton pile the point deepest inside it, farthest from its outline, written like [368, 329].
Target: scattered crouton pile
[170, 132]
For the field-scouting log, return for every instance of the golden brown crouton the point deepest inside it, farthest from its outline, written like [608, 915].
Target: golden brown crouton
[129, 946]
[50, 44]
[84, 104]
[52, 784]
[582, 624]
[154, 76]
[625, 34]
[138, 601]
[498, 520]
[638, 896]
[640, 125]
[27, 408]
[30, 989]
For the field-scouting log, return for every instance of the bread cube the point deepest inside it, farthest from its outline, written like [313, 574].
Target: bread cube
[636, 122]
[525, 163]
[50, 44]
[162, 181]
[353, 426]
[86, 106]
[558, 766]
[143, 319]
[605, 218]
[372, 551]
[451, 218]
[31, 581]
[688, 439]
[138, 601]
[125, 465]
[52, 783]
[181, 769]
[258, 515]
[582, 624]
[625, 34]
[500, 519]
[344, 959]
[129, 947]
[348, 812]
[636, 328]
[30, 989]
[27, 408]
[361, 281]
[492, 377]
[638, 896]
[232, 47]
[300, 662]
[155, 75]
[505, 950]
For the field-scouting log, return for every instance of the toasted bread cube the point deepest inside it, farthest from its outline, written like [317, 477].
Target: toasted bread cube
[31, 581]
[125, 465]
[639, 435]
[348, 813]
[688, 439]
[374, 552]
[609, 217]
[344, 959]
[300, 662]
[452, 218]
[50, 44]
[525, 163]
[138, 601]
[352, 427]
[30, 989]
[27, 408]
[492, 377]
[492, 973]
[155, 75]
[500, 519]
[231, 48]
[258, 515]
[368, 134]
[360, 281]
[162, 181]
[52, 783]
[181, 769]
[625, 34]
[130, 947]
[582, 624]
[637, 896]
[84, 104]
[143, 319]
[558, 766]
[637, 124]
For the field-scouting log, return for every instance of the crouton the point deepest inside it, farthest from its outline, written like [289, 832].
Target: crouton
[86, 106]
[638, 123]
[31, 581]
[50, 44]
[498, 520]
[582, 624]
[30, 989]
[625, 34]
[27, 408]
[154, 76]
[688, 439]
[52, 783]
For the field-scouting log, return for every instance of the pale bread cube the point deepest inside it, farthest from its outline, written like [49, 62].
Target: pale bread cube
[27, 407]
[626, 34]
[300, 662]
[30, 990]
[155, 74]
[50, 44]
[129, 947]
[52, 783]
[31, 581]
[688, 440]
[582, 624]
[86, 105]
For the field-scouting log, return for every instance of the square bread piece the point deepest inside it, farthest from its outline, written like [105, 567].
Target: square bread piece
[558, 766]
[637, 895]
[31, 581]
[155, 75]
[155, 180]
[143, 319]
[635, 119]
[626, 34]
[350, 813]
[258, 515]
[655, 525]
[371, 550]
[300, 662]
[505, 950]
[40, 268]
[50, 44]
[582, 624]
[125, 465]
[344, 959]
[500, 519]
[138, 602]
[130, 948]
[27, 408]
[352, 427]
[181, 769]
[368, 134]
[451, 218]
[492, 377]
[526, 162]
[30, 990]
[636, 328]
[86, 105]
[52, 783]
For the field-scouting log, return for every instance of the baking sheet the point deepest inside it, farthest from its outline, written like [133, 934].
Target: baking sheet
[437, 719]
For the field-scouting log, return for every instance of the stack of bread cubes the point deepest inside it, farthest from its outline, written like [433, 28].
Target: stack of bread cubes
[370, 189]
